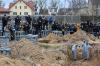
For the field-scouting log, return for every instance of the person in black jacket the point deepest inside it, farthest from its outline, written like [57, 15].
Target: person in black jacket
[28, 19]
[4, 22]
[26, 28]
[17, 22]
[40, 21]
[45, 23]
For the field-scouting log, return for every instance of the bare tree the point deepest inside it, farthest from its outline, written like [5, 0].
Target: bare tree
[65, 10]
[54, 5]
[41, 5]
[76, 5]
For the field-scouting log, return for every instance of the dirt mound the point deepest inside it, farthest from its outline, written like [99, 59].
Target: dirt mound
[5, 61]
[91, 62]
[77, 37]
[51, 38]
[80, 35]
[30, 54]
[24, 50]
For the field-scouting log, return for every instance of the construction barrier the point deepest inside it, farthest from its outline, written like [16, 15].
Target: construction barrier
[19, 35]
[7, 34]
[57, 33]
[4, 41]
[1, 32]
[5, 51]
[32, 38]
[44, 33]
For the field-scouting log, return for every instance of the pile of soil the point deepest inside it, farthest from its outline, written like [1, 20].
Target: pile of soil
[51, 38]
[76, 37]
[80, 35]
[34, 54]
[92, 62]
[24, 53]
[5, 61]
[24, 48]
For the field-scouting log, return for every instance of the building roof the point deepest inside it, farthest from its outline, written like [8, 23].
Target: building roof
[29, 3]
[4, 10]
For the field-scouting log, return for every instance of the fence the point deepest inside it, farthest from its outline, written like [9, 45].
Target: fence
[4, 41]
[19, 35]
[57, 33]
[5, 51]
[32, 38]
[44, 33]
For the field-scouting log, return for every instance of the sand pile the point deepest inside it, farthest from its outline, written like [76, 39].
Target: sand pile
[55, 57]
[18, 48]
[51, 38]
[30, 54]
[5, 61]
[79, 36]
[93, 62]
[24, 48]
[25, 51]
[50, 58]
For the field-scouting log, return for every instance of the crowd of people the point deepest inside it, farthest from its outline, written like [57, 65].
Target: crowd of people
[37, 24]
[28, 25]
[93, 28]
[33, 25]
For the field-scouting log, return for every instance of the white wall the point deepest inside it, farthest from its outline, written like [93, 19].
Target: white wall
[22, 10]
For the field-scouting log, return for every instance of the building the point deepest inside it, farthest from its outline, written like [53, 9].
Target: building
[53, 11]
[4, 11]
[22, 8]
